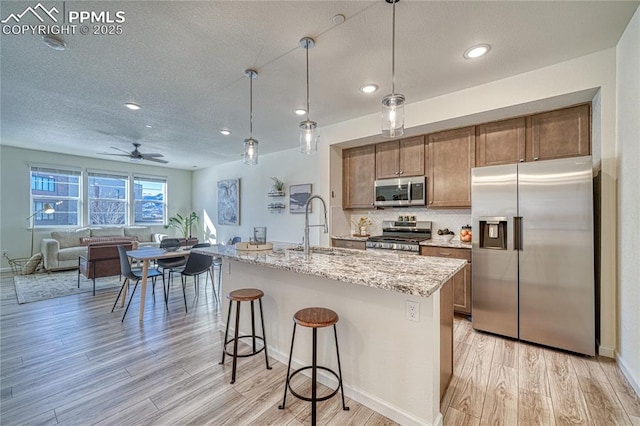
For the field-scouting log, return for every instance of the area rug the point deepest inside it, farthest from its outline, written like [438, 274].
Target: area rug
[34, 287]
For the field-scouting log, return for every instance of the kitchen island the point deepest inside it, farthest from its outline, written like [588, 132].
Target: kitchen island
[389, 363]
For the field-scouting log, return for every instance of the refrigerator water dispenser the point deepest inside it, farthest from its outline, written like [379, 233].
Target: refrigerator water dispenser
[493, 233]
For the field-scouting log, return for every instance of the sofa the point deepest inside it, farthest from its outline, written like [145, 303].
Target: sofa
[63, 248]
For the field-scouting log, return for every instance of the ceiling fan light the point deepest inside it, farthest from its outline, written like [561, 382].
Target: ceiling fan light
[250, 152]
[309, 137]
[393, 115]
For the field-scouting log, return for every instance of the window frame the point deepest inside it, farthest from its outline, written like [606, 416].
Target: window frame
[150, 178]
[125, 177]
[53, 198]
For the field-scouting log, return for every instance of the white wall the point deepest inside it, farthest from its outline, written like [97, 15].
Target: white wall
[291, 167]
[15, 235]
[628, 156]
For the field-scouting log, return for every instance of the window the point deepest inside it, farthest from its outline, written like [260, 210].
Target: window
[149, 195]
[107, 196]
[59, 188]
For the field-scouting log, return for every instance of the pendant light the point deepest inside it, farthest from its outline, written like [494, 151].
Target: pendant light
[251, 145]
[308, 128]
[393, 104]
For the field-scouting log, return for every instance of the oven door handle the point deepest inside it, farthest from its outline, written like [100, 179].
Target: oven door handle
[409, 192]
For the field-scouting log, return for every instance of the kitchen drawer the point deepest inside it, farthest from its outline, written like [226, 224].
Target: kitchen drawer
[350, 244]
[455, 253]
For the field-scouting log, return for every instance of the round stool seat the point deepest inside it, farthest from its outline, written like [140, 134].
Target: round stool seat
[245, 294]
[315, 317]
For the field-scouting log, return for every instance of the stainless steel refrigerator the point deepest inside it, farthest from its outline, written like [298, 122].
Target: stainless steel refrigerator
[533, 252]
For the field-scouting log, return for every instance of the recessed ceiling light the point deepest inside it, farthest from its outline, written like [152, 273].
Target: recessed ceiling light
[338, 19]
[368, 88]
[132, 106]
[148, 126]
[477, 51]
[54, 42]
[225, 132]
[300, 111]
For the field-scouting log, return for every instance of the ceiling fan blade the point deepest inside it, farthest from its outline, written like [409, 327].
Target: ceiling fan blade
[145, 155]
[118, 155]
[157, 160]
[119, 149]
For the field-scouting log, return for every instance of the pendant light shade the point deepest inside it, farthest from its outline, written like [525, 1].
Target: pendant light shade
[308, 128]
[250, 145]
[393, 104]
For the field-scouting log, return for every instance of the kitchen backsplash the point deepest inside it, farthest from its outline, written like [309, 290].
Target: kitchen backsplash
[453, 219]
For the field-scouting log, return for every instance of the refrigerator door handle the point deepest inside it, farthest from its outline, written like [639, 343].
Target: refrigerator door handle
[517, 233]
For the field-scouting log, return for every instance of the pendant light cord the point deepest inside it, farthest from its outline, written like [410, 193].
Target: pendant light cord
[393, 51]
[307, 49]
[250, 106]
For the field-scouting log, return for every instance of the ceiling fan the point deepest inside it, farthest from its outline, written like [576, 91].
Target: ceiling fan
[137, 155]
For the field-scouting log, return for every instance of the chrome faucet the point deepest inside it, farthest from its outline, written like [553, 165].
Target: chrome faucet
[306, 221]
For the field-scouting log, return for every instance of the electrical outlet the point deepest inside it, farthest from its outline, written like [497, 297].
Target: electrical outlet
[413, 311]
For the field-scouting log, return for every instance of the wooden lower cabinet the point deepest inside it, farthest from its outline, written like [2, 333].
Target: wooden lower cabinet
[350, 244]
[461, 281]
[446, 335]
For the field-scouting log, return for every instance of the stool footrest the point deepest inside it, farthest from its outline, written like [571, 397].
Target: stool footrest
[305, 398]
[245, 355]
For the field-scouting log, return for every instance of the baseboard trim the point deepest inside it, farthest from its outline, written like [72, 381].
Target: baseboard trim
[626, 372]
[606, 351]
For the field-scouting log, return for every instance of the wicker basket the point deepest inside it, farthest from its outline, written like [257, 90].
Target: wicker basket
[16, 264]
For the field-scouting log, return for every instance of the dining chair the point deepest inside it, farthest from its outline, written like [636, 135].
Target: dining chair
[197, 264]
[171, 264]
[129, 274]
[212, 270]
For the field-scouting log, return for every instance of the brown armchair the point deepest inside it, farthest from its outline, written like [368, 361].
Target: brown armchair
[102, 260]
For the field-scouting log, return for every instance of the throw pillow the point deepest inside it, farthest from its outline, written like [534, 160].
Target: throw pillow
[32, 264]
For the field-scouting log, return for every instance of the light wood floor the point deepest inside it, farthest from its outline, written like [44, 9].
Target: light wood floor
[70, 361]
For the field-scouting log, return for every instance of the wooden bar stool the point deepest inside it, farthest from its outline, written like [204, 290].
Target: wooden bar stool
[314, 318]
[238, 296]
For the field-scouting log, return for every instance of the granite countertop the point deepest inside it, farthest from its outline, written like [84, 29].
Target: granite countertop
[349, 237]
[402, 273]
[454, 243]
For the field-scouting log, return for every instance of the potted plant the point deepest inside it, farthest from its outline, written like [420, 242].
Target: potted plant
[183, 223]
[277, 187]
[362, 225]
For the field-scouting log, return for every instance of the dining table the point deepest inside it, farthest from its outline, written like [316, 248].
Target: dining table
[146, 255]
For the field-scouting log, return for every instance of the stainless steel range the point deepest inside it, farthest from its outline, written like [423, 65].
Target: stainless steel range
[404, 236]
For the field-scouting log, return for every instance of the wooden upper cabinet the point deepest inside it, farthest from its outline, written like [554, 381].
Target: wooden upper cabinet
[501, 142]
[559, 134]
[358, 175]
[450, 157]
[401, 158]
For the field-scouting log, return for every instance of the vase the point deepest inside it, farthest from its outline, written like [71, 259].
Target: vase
[363, 231]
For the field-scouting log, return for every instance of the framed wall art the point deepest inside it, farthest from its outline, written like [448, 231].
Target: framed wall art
[298, 196]
[229, 202]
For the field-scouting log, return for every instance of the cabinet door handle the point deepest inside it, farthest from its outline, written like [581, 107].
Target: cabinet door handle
[401, 172]
[535, 158]
[445, 253]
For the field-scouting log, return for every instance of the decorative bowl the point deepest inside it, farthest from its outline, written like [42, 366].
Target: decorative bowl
[447, 237]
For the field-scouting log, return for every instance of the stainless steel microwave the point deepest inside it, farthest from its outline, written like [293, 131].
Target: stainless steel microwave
[407, 191]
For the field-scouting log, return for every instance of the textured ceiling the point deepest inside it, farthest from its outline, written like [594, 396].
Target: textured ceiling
[184, 63]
